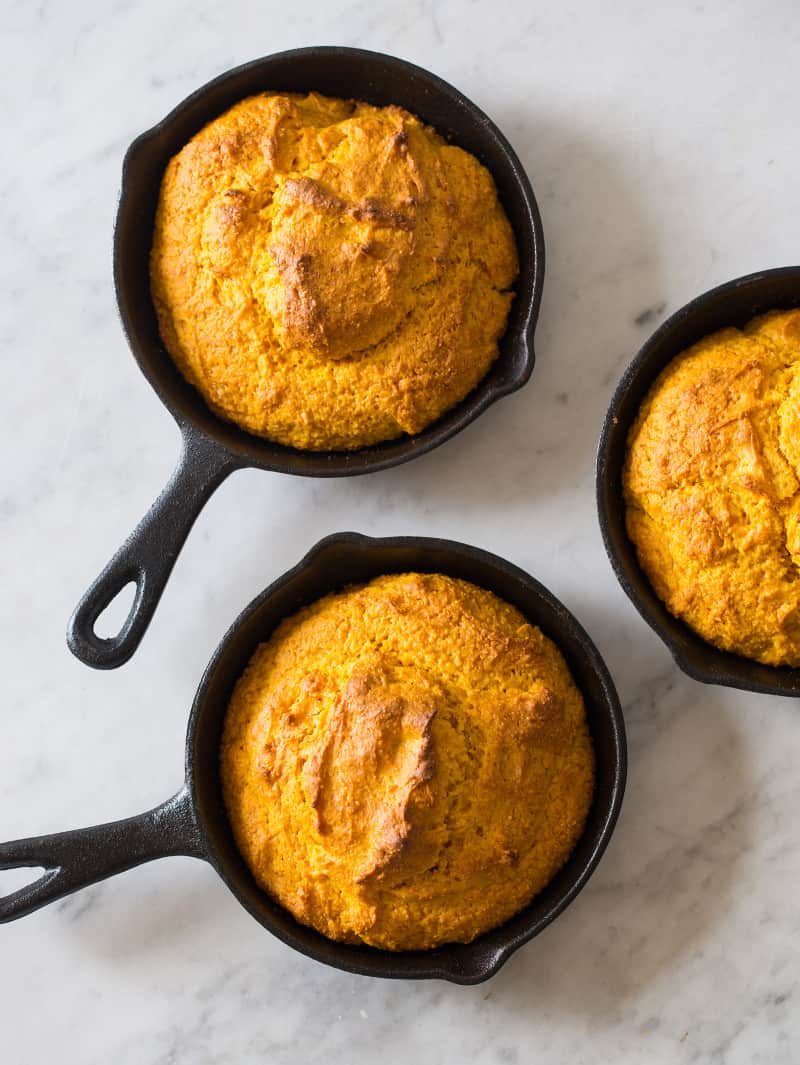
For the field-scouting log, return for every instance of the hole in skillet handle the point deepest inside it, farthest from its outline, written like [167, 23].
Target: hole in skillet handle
[83, 639]
[20, 877]
[116, 614]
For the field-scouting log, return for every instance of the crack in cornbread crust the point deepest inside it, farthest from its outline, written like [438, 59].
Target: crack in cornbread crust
[406, 763]
[712, 488]
[329, 274]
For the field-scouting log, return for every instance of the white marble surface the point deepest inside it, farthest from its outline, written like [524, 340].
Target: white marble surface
[662, 144]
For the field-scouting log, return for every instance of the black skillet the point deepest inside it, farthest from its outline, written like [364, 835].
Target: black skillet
[732, 304]
[194, 822]
[213, 448]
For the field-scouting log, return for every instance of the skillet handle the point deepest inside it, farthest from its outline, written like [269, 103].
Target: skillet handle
[74, 860]
[148, 555]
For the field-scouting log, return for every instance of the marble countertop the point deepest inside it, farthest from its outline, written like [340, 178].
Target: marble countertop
[662, 144]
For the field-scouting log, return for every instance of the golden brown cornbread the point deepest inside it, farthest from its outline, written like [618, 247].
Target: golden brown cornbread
[406, 763]
[329, 274]
[712, 488]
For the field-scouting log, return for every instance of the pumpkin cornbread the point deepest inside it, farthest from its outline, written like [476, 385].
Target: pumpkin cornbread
[329, 274]
[406, 763]
[712, 488]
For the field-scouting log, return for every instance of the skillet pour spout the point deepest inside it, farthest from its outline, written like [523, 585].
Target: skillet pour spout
[213, 448]
[194, 821]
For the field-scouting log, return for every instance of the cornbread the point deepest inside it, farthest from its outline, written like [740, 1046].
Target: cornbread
[329, 274]
[712, 488]
[406, 763]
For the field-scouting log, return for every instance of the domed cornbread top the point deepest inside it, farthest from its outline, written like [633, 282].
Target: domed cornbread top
[712, 487]
[406, 763]
[329, 274]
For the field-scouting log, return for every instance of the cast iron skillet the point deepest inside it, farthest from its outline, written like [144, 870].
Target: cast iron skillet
[732, 304]
[213, 448]
[193, 822]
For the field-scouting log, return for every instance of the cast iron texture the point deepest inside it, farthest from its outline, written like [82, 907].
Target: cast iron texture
[732, 304]
[213, 448]
[194, 821]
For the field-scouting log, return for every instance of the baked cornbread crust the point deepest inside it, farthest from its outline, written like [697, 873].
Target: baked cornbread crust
[712, 488]
[329, 274]
[406, 763]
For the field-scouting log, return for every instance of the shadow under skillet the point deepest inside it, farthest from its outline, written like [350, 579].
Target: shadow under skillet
[149, 916]
[670, 870]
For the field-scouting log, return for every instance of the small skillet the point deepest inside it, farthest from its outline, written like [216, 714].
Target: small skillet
[213, 448]
[194, 822]
[731, 304]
